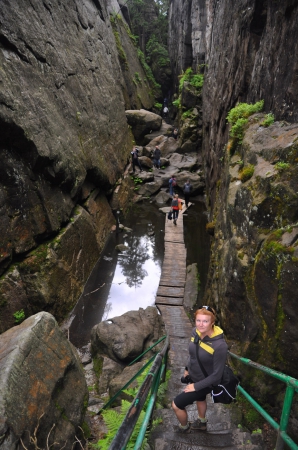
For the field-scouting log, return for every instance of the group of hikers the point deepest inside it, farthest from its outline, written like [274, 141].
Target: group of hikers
[187, 188]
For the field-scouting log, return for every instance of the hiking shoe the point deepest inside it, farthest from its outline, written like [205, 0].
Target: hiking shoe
[178, 429]
[175, 223]
[198, 425]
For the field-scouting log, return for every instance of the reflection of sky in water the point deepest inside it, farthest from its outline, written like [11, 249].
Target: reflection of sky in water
[135, 281]
[122, 281]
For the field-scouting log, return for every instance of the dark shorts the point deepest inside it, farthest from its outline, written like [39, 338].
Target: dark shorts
[187, 398]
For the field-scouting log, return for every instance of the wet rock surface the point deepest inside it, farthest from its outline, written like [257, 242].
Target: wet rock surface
[253, 263]
[125, 337]
[39, 373]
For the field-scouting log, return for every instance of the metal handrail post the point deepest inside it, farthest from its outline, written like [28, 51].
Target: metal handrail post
[125, 430]
[284, 420]
[149, 409]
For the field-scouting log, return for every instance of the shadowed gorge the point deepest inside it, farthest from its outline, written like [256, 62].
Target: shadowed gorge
[84, 81]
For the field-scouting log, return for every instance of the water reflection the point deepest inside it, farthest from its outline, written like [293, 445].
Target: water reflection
[122, 282]
[132, 262]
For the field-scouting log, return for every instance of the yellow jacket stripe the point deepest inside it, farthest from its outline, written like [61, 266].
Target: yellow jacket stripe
[206, 347]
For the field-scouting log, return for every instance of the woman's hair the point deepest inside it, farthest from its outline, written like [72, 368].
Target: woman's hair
[207, 310]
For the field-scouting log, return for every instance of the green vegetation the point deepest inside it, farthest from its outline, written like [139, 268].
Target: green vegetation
[19, 316]
[238, 118]
[121, 52]
[269, 120]
[113, 418]
[246, 173]
[177, 103]
[137, 180]
[282, 165]
[153, 36]
[158, 105]
[147, 69]
[196, 80]
[157, 53]
[137, 77]
[251, 418]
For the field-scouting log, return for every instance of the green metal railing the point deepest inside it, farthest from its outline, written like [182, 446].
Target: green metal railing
[292, 387]
[149, 387]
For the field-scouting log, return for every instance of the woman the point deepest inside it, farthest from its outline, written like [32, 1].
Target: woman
[175, 208]
[207, 348]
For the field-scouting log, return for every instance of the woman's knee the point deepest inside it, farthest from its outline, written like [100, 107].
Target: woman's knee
[175, 408]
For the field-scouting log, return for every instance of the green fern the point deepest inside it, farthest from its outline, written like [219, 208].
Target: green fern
[113, 419]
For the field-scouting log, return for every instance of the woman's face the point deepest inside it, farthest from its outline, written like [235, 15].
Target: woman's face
[204, 324]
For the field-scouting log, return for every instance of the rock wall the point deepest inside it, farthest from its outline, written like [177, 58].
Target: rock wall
[64, 145]
[250, 52]
[189, 26]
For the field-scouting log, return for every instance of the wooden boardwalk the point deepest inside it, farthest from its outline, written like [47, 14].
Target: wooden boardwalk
[221, 433]
[170, 297]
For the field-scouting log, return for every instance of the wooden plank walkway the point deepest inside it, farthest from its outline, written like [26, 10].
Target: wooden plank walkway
[170, 297]
[222, 432]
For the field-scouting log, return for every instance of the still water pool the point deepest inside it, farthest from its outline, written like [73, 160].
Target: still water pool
[122, 282]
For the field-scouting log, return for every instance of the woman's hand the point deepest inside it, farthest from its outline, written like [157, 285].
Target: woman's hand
[190, 388]
[185, 373]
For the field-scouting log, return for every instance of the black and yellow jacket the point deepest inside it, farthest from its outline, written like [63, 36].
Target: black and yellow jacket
[212, 353]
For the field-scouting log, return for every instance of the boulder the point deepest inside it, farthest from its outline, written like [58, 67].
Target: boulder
[142, 122]
[162, 197]
[196, 180]
[165, 130]
[148, 189]
[125, 337]
[189, 146]
[190, 97]
[43, 389]
[110, 369]
[184, 162]
[146, 162]
[146, 177]
[120, 380]
[167, 145]
[164, 162]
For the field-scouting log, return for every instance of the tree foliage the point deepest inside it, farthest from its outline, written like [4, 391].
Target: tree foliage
[149, 21]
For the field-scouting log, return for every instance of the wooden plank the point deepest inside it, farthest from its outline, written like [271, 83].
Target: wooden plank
[171, 281]
[167, 244]
[172, 269]
[174, 239]
[176, 321]
[176, 301]
[170, 291]
[168, 263]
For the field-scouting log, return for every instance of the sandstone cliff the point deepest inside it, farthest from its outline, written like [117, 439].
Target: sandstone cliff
[67, 77]
[250, 53]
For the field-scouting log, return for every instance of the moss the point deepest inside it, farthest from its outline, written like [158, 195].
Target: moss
[63, 415]
[246, 173]
[280, 317]
[251, 419]
[86, 430]
[210, 227]
[97, 366]
[120, 49]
